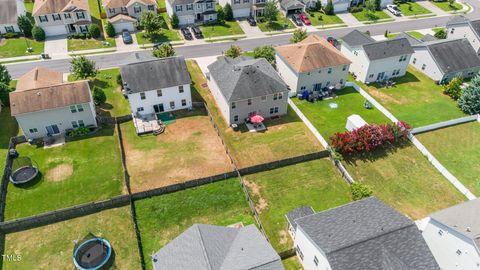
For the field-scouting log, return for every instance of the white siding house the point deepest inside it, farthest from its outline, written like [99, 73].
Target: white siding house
[10, 10]
[161, 100]
[124, 14]
[461, 27]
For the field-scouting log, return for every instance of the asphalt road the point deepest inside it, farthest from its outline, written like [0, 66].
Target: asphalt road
[190, 51]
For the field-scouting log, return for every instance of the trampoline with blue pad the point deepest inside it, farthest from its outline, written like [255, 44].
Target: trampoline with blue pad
[92, 254]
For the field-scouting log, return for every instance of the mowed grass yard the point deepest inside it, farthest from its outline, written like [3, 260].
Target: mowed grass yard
[292, 263]
[412, 8]
[277, 192]
[446, 6]
[90, 44]
[116, 104]
[83, 170]
[277, 25]
[218, 30]
[458, 149]
[55, 243]
[8, 129]
[285, 137]
[160, 219]
[329, 121]
[188, 149]
[14, 47]
[377, 15]
[405, 180]
[416, 99]
[319, 18]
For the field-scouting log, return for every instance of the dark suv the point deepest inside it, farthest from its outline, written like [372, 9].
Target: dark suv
[186, 33]
[197, 32]
[297, 20]
[251, 21]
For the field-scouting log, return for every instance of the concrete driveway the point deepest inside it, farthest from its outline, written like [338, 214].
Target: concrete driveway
[56, 45]
[121, 46]
[249, 30]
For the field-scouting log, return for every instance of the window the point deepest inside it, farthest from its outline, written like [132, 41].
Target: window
[273, 110]
[414, 61]
[459, 252]
[275, 96]
[341, 81]
[402, 58]
[9, 29]
[67, 16]
[236, 1]
[315, 260]
[303, 88]
[453, 30]
[319, 71]
[264, 98]
[355, 53]
[111, 10]
[142, 95]
[280, 95]
[74, 124]
[209, 5]
[151, 7]
[199, 6]
[251, 113]
[83, 28]
[235, 118]
[81, 123]
[440, 232]
[43, 18]
[124, 9]
[344, 67]
[249, 101]
[80, 15]
[80, 108]
[180, 89]
[56, 17]
[246, 1]
[140, 109]
[299, 252]
[329, 70]
[137, 9]
[33, 130]
[172, 105]
[159, 92]
[234, 105]
[184, 102]
[178, 8]
[424, 67]
[190, 7]
[370, 76]
[73, 109]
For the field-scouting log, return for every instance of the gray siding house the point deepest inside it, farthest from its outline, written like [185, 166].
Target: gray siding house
[244, 86]
[462, 27]
[240, 8]
[124, 14]
[192, 11]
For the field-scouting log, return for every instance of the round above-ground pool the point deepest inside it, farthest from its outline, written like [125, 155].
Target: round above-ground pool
[24, 174]
[92, 254]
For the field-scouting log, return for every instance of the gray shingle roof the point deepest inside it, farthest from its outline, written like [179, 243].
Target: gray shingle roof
[368, 234]
[155, 74]
[462, 20]
[291, 4]
[387, 48]
[243, 78]
[357, 38]
[208, 247]
[453, 55]
[298, 213]
[412, 40]
[457, 19]
[428, 38]
[8, 11]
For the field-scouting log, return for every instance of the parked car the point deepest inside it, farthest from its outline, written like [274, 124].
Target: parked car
[296, 19]
[127, 37]
[394, 10]
[305, 19]
[334, 42]
[186, 34]
[251, 21]
[197, 32]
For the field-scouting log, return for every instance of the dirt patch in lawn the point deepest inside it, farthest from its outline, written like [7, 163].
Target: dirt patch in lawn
[188, 149]
[3, 41]
[261, 203]
[60, 172]
[283, 234]
[376, 93]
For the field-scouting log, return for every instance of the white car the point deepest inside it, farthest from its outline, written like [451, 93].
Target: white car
[394, 10]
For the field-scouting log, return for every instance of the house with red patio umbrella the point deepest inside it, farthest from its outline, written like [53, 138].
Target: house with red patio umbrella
[247, 90]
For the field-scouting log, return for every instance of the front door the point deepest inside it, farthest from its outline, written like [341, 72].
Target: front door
[71, 28]
[158, 108]
[52, 130]
[380, 76]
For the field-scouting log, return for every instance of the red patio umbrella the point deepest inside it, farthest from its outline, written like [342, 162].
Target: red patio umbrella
[256, 118]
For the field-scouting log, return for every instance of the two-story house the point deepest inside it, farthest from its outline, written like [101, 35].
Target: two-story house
[312, 64]
[374, 61]
[245, 8]
[244, 87]
[365, 234]
[124, 14]
[453, 235]
[9, 12]
[192, 11]
[59, 17]
[157, 86]
[462, 27]
[44, 105]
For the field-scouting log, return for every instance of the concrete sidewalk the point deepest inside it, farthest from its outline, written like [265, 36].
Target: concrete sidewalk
[349, 19]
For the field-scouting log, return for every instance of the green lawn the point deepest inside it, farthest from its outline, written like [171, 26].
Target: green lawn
[218, 30]
[116, 104]
[94, 10]
[161, 4]
[277, 25]
[416, 99]
[445, 5]
[90, 44]
[414, 34]
[438, 29]
[29, 6]
[277, 192]
[319, 18]
[15, 47]
[457, 148]
[83, 170]
[161, 219]
[56, 242]
[165, 35]
[292, 263]
[329, 121]
[9, 128]
[405, 180]
[285, 137]
[412, 8]
[377, 15]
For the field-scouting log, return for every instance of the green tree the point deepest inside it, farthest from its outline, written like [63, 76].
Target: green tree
[174, 20]
[228, 12]
[25, 24]
[83, 68]
[469, 101]
[220, 15]
[94, 30]
[4, 75]
[270, 11]
[99, 96]
[329, 9]
[164, 50]
[318, 5]
[267, 52]
[298, 35]
[38, 33]
[4, 94]
[451, 3]
[110, 29]
[453, 89]
[150, 22]
[360, 191]
[441, 34]
[371, 5]
[234, 51]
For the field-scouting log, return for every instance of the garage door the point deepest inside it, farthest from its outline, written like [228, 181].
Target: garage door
[239, 13]
[184, 20]
[341, 7]
[55, 30]
[119, 27]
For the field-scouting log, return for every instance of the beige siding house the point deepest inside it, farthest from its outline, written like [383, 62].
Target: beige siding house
[124, 14]
[9, 12]
[311, 65]
[44, 105]
[60, 17]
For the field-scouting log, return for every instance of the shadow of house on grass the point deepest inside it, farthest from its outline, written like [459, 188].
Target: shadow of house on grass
[376, 154]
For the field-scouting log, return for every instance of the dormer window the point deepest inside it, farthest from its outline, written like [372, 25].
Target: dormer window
[111, 10]
[137, 9]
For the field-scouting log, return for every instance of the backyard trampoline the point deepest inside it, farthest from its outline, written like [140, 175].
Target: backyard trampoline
[23, 170]
[92, 254]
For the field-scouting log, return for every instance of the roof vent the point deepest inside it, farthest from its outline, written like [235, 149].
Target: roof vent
[38, 94]
[236, 68]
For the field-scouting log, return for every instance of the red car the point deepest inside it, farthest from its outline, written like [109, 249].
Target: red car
[305, 19]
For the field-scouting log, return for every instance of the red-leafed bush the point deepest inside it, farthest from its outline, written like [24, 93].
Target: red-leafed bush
[370, 137]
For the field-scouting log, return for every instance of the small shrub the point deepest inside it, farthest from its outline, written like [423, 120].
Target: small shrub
[4, 94]
[355, 9]
[233, 52]
[469, 101]
[110, 29]
[119, 79]
[441, 34]
[10, 35]
[329, 9]
[360, 191]
[99, 96]
[38, 33]
[174, 21]
[25, 25]
[94, 30]
[453, 89]
[228, 12]
[81, 131]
